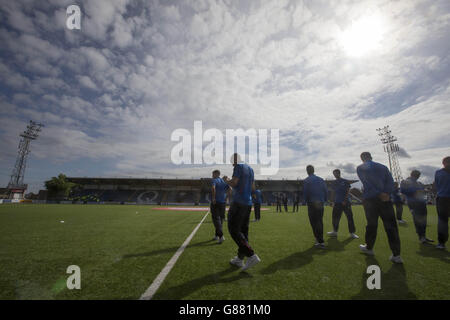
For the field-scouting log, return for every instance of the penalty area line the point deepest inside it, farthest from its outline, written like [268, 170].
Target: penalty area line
[150, 292]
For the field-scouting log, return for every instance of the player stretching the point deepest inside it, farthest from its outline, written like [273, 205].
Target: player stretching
[378, 185]
[417, 203]
[315, 194]
[442, 184]
[219, 191]
[243, 184]
[342, 203]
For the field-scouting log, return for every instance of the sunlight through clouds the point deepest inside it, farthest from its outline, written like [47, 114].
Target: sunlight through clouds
[327, 74]
[364, 35]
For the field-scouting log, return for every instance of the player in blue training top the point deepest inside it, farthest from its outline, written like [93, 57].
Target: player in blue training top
[257, 200]
[315, 195]
[295, 203]
[219, 192]
[278, 199]
[378, 184]
[243, 184]
[442, 185]
[342, 203]
[285, 202]
[417, 203]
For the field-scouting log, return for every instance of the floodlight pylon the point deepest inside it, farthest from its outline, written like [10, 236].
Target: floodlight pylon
[392, 149]
[16, 183]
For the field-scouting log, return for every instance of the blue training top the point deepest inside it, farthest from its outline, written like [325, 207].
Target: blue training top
[442, 183]
[221, 189]
[413, 190]
[375, 178]
[314, 189]
[340, 187]
[242, 193]
[258, 198]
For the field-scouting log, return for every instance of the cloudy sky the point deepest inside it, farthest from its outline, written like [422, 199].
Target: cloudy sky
[327, 74]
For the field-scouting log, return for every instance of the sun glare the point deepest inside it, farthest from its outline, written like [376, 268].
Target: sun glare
[363, 36]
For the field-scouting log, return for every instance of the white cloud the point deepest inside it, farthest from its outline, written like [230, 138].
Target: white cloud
[16, 17]
[122, 33]
[155, 67]
[87, 82]
[100, 15]
[95, 58]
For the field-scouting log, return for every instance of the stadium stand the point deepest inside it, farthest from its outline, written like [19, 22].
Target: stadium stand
[174, 191]
[4, 193]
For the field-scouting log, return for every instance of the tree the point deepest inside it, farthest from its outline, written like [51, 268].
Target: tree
[59, 187]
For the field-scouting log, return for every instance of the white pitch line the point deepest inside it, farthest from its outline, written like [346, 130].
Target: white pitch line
[148, 294]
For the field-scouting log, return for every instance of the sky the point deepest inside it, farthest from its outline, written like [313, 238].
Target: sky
[326, 74]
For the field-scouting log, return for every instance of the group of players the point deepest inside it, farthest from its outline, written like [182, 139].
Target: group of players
[380, 193]
[283, 199]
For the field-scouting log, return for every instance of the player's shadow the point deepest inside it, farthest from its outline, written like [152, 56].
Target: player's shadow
[335, 245]
[295, 260]
[394, 284]
[187, 288]
[168, 250]
[430, 251]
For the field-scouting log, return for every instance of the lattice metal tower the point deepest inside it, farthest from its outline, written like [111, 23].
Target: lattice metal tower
[31, 133]
[391, 148]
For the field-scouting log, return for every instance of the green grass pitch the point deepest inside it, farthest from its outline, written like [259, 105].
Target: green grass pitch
[121, 249]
